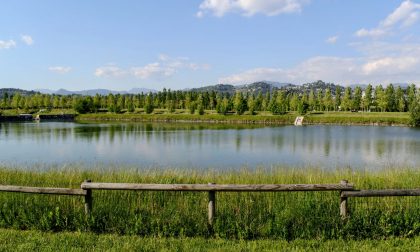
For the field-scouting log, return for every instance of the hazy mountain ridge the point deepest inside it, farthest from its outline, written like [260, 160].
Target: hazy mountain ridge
[254, 88]
[266, 86]
[12, 91]
[92, 92]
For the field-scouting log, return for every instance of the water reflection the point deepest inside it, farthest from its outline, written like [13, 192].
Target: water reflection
[216, 146]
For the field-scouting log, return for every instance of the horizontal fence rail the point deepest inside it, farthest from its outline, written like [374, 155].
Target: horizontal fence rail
[42, 190]
[381, 193]
[345, 189]
[218, 187]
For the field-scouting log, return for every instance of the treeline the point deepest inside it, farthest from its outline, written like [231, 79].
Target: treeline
[377, 98]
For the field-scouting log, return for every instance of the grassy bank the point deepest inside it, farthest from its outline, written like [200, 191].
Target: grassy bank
[363, 118]
[184, 117]
[210, 116]
[359, 118]
[14, 240]
[289, 216]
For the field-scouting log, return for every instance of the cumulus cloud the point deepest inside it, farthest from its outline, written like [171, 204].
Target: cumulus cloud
[332, 40]
[250, 7]
[381, 63]
[59, 69]
[164, 67]
[156, 70]
[7, 44]
[27, 39]
[405, 15]
[109, 71]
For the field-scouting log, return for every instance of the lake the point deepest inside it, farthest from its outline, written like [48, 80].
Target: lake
[208, 146]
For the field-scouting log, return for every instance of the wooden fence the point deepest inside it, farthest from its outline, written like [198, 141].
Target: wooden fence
[346, 191]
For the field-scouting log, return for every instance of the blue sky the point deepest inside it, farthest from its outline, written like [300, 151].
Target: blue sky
[189, 43]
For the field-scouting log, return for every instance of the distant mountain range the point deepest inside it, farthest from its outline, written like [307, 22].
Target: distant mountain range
[255, 88]
[12, 91]
[92, 92]
[266, 86]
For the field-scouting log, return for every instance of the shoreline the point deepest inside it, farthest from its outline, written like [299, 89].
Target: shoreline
[287, 119]
[335, 118]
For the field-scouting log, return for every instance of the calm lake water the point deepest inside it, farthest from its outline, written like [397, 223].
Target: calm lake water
[208, 146]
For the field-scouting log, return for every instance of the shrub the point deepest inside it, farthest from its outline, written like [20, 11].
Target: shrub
[415, 113]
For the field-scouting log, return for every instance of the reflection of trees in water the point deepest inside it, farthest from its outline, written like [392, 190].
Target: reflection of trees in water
[327, 141]
[363, 144]
[90, 133]
[278, 141]
[238, 140]
[380, 147]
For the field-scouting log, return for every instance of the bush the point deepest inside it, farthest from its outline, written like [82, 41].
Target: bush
[302, 108]
[415, 113]
[200, 110]
[82, 106]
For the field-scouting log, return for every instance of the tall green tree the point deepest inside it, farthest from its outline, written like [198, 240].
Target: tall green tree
[415, 111]
[328, 100]
[357, 98]
[400, 100]
[347, 102]
[390, 97]
[294, 102]
[239, 103]
[411, 94]
[312, 100]
[148, 104]
[252, 104]
[16, 100]
[200, 104]
[380, 98]
[367, 98]
[337, 98]
[259, 102]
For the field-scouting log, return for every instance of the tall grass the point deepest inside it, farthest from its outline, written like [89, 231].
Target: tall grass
[364, 118]
[290, 216]
[380, 118]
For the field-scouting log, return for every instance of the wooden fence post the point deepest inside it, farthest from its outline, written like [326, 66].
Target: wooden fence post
[88, 200]
[211, 208]
[343, 203]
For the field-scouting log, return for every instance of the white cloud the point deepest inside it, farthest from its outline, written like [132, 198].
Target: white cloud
[405, 15]
[7, 44]
[377, 32]
[109, 71]
[155, 70]
[332, 40]
[250, 7]
[391, 65]
[164, 67]
[381, 63]
[27, 39]
[59, 69]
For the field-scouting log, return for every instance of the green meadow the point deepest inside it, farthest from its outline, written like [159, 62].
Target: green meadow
[245, 216]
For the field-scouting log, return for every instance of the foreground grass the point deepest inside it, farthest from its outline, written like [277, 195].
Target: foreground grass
[14, 240]
[290, 216]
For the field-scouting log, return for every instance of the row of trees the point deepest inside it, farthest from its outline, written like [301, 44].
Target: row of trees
[370, 99]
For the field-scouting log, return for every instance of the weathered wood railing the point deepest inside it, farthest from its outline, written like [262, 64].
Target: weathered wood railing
[346, 191]
[43, 190]
[212, 188]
